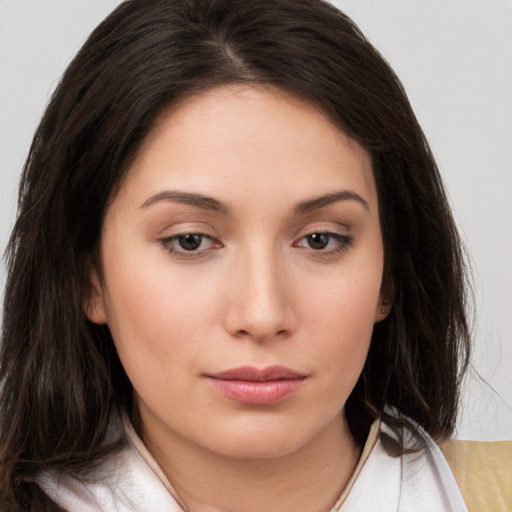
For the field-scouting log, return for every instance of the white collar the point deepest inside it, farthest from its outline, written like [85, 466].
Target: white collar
[131, 480]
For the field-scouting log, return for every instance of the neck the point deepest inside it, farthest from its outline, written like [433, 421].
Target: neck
[309, 479]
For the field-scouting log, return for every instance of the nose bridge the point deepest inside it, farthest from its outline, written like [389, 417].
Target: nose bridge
[261, 304]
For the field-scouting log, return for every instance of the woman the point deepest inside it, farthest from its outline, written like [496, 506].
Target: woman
[234, 281]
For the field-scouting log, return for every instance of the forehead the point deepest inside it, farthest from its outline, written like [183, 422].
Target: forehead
[239, 139]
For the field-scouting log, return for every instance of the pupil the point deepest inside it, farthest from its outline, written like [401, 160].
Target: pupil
[190, 242]
[318, 240]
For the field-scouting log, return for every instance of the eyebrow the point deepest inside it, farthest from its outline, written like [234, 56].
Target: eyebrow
[214, 205]
[197, 200]
[327, 199]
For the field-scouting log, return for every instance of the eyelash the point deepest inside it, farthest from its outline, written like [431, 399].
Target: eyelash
[343, 244]
[168, 242]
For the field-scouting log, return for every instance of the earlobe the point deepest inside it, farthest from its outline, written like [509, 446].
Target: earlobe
[94, 303]
[383, 309]
[386, 298]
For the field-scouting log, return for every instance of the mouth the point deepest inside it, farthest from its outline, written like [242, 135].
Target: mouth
[249, 385]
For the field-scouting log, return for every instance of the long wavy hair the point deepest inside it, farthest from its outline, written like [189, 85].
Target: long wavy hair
[60, 375]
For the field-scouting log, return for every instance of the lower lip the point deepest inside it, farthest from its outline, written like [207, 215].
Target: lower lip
[257, 393]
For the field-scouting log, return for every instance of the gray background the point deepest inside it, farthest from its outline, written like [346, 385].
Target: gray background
[455, 60]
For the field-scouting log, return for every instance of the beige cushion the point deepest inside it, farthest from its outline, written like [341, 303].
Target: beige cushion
[483, 471]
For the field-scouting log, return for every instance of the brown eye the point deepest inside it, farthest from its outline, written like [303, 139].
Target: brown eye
[325, 242]
[190, 242]
[318, 241]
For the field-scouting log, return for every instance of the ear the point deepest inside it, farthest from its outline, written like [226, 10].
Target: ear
[94, 300]
[385, 303]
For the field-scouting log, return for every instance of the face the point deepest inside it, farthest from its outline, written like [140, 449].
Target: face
[241, 272]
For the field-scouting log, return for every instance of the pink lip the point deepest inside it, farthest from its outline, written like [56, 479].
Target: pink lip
[250, 385]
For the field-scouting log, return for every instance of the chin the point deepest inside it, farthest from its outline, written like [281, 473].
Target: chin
[258, 448]
[264, 441]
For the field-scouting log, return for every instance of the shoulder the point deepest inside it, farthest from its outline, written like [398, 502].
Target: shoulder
[483, 471]
[122, 482]
[414, 481]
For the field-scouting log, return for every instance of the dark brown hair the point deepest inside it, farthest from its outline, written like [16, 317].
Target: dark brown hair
[60, 375]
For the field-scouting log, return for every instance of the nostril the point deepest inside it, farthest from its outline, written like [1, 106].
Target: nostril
[261, 336]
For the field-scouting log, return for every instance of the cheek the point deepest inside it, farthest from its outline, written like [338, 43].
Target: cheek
[345, 303]
[154, 310]
[158, 337]
[341, 316]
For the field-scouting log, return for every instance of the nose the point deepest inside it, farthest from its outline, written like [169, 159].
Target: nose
[260, 305]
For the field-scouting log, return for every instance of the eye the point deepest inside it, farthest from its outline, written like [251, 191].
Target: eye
[189, 244]
[325, 242]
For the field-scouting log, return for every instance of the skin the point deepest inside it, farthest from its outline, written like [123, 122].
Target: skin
[256, 291]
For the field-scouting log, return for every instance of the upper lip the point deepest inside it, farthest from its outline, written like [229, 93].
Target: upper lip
[252, 374]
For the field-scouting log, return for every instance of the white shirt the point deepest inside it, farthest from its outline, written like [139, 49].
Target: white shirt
[132, 481]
